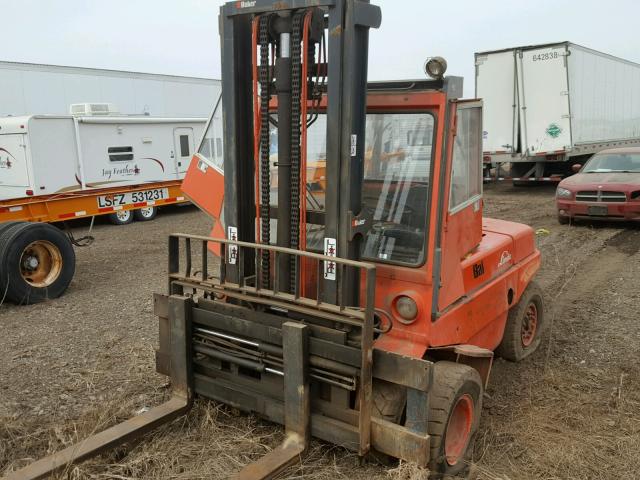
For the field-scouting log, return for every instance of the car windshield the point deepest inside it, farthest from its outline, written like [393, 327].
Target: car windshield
[613, 162]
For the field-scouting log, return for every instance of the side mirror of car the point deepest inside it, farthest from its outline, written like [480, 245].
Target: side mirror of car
[576, 168]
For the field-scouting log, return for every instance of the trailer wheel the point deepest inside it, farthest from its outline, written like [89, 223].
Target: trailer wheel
[525, 326]
[37, 262]
[455, 404]
[121, 217]
[6, 226]
[145, 214]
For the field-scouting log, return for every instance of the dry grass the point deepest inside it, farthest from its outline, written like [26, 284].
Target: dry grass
[560, 431]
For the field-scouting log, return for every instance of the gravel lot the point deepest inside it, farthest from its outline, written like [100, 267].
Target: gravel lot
[85, 361]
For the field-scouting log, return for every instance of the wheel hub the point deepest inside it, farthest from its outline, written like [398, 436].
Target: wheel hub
[146, 212]
[40, 264]
[529, 325]
[31, 263]
[458, 430]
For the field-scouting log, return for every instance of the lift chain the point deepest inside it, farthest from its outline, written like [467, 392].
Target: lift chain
[265, 177]
[296, 87]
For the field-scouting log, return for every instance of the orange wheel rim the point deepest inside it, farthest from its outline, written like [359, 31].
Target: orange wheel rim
[40, 264]
[458, 430]
[529, 325]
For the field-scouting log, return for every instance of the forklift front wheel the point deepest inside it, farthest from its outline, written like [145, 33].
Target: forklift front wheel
[525, 326]
[454, 416]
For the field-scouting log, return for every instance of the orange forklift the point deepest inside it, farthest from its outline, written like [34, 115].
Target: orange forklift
[359, 296]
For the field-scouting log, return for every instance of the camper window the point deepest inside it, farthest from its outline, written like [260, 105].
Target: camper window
[184, 146]
[120, 154]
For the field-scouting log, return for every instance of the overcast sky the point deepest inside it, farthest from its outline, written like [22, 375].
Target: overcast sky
[180, 37]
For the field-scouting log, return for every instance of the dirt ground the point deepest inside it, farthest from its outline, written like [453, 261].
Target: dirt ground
[85, 361]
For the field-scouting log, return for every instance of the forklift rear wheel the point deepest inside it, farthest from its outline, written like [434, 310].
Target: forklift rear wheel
[454, 415]
[121, 217]
[145, 214]
[37, 261]
[525, 326]
[563, 220]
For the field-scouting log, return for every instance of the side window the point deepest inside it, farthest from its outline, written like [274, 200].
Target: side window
[120, 154]
[466, 181]
[184, 146]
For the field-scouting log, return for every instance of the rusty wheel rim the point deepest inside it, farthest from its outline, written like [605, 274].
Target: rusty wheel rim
[40, 264]
[529, 325]
[458, 430]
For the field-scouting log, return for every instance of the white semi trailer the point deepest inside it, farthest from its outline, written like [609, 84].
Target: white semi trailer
[549, 106]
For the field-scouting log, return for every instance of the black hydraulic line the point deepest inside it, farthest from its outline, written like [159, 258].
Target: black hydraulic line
[226, 357]
[265, 177]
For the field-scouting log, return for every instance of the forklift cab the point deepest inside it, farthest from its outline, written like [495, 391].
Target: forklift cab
[421, 198]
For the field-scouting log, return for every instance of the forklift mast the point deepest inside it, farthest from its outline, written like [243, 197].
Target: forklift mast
[275, 51]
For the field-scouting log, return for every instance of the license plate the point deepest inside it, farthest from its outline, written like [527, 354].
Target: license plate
[132, 198]
[598, 211]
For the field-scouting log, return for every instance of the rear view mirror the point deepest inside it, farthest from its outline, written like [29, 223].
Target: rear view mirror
[576, 168]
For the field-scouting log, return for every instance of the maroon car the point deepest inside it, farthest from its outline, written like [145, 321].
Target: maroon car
[607, 187]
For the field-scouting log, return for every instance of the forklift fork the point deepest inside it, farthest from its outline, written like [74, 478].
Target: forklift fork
[296, 408]
[179, 403]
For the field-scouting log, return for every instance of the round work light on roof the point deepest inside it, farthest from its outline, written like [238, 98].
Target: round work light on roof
[435, 67]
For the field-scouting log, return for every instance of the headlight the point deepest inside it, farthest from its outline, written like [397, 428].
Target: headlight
[563, 193]
[407, 309]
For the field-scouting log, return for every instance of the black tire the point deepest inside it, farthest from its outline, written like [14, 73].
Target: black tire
[389, 400]
[563, 220]
[53, 262]
[519, 339]
[145, 214]
[121, 217]
[6, 226]
[455, 404]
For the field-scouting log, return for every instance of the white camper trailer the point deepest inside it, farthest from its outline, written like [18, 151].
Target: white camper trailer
[55, 168]
[47, 154]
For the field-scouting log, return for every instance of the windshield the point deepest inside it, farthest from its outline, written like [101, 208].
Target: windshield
[613, 162]
[395, 190]
[396, 185]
